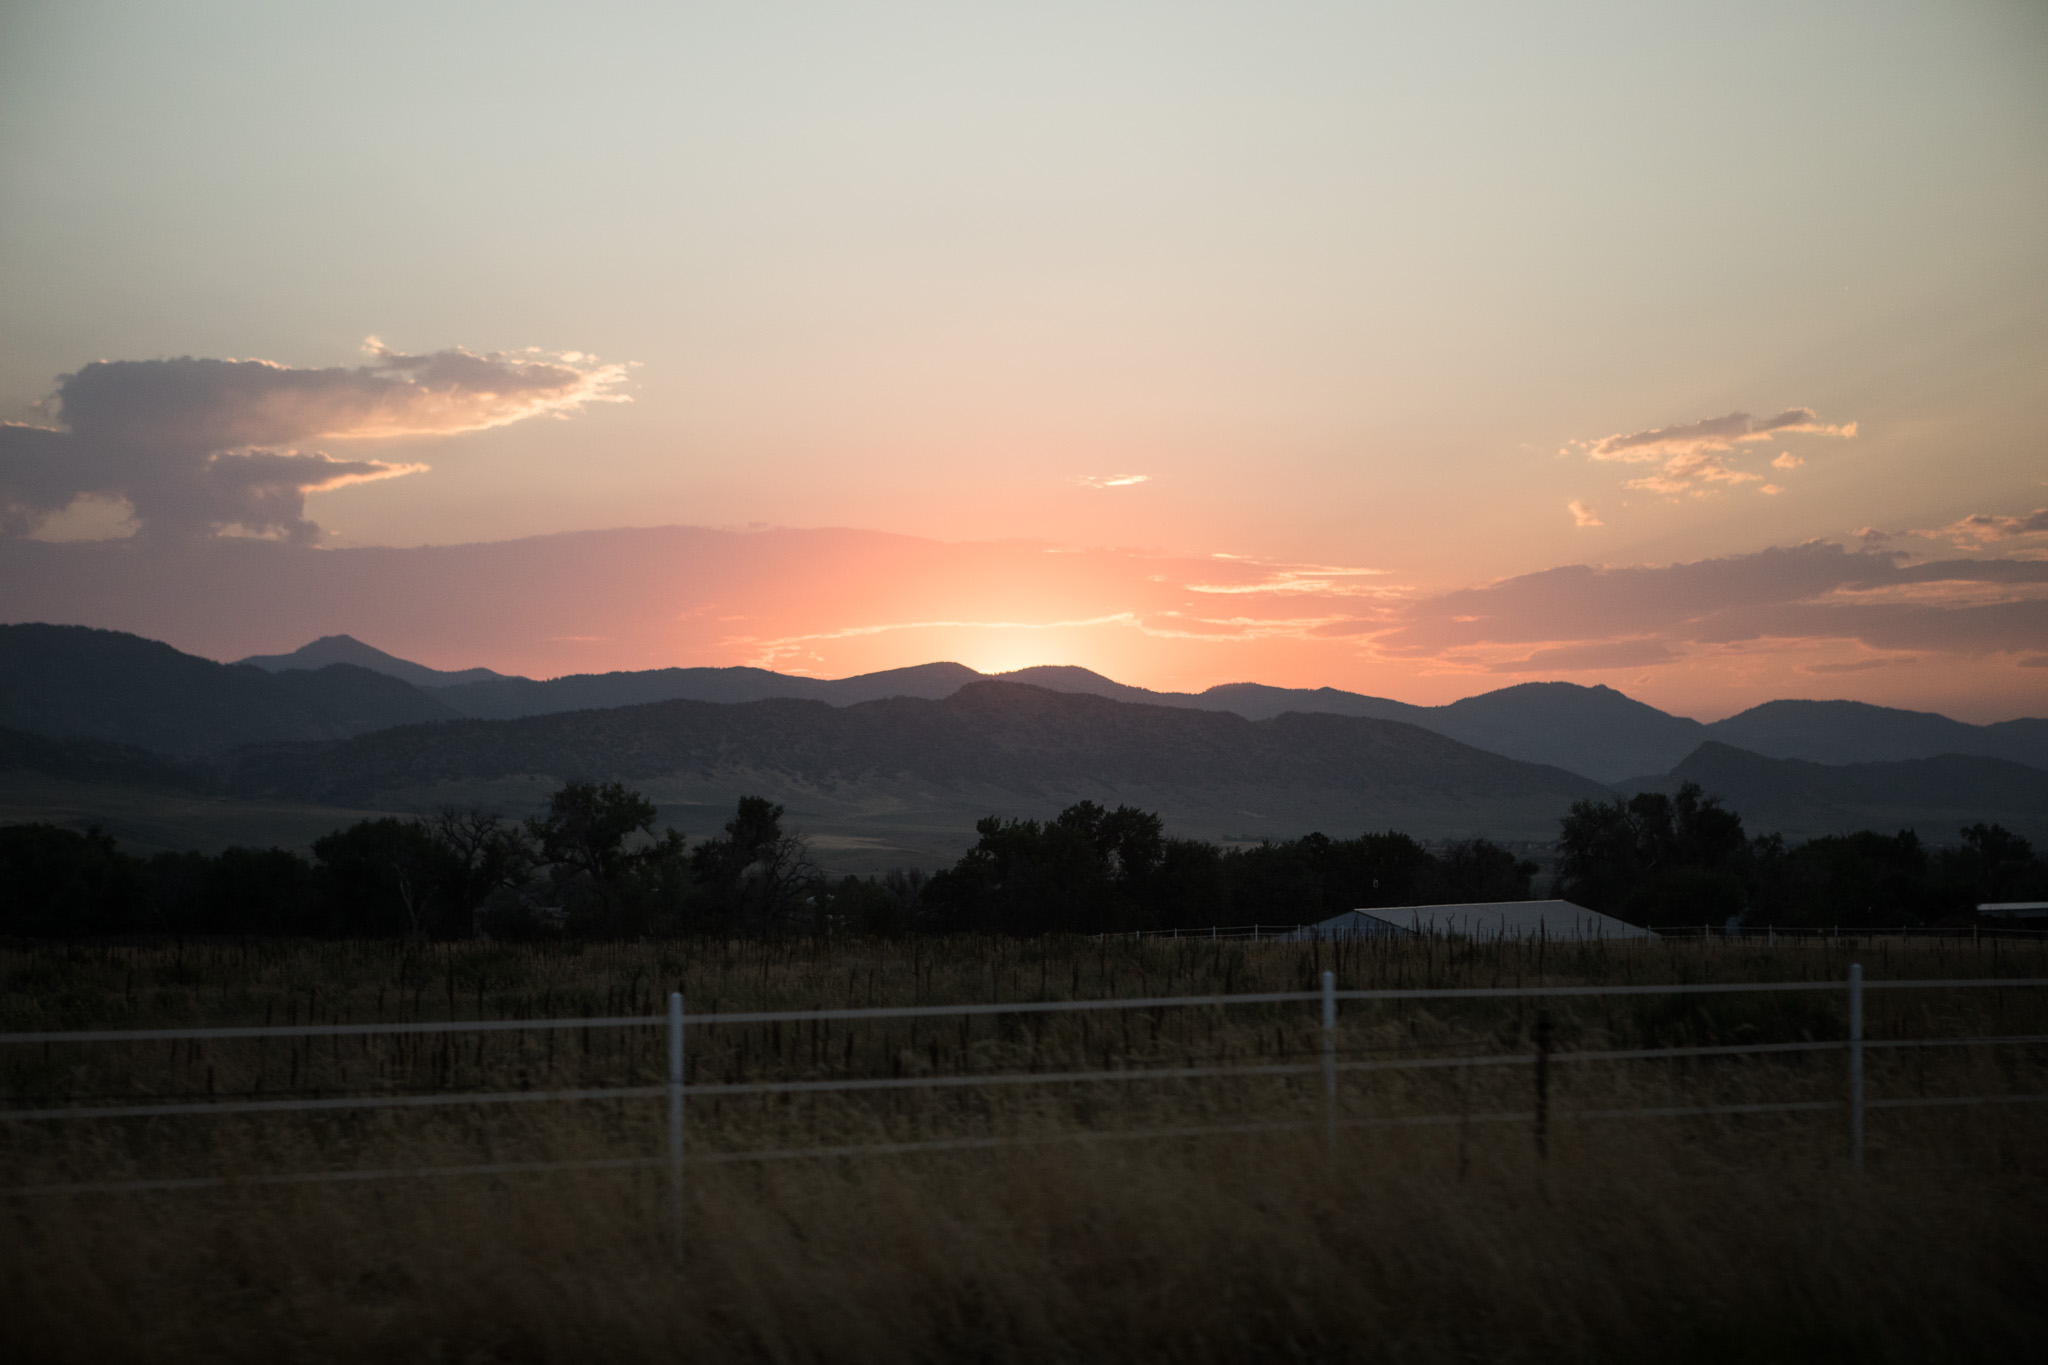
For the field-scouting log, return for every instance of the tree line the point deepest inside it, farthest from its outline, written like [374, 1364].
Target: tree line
[1657, 859]
[591, 864]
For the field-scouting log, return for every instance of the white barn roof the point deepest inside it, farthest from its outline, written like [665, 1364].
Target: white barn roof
[1482, 920]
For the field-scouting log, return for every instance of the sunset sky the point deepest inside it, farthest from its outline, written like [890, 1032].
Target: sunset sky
[1696, 349]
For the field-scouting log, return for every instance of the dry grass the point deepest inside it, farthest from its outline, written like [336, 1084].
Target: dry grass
[1693, 1239]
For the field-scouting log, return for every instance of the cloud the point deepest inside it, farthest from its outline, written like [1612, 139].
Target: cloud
[1696, 456]
[196, 446]
[1112, 480]
[1714, 433]
[1811, 592]
[1853, 666]
[1578, 658]
[1583, 515]
[1298, 579]
[1982, 529]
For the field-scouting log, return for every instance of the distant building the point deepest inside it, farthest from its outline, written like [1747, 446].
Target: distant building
[2015, 909]
[1483, 920]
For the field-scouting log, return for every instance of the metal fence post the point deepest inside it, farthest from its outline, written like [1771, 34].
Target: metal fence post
[675, 1121]
[1330, 1065]
[1542, 1082]
[1856, 1065]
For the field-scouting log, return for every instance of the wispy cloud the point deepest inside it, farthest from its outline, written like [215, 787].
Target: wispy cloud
[198, 446]
[1299, 579]
[1112, 480]
[1986, 529]
[1714, 433]
[1588, 657]
[1817, 591]
[1582, 515]
[1696, 458]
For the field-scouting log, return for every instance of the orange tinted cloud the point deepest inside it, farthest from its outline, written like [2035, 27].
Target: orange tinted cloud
[190, 445]
[1694, 457]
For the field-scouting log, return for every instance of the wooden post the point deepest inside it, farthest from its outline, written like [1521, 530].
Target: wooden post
[1330, 1067]
[675, 1122]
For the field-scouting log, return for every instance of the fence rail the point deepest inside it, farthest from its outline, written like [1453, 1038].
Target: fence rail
[1330, 1065]
[1769, 933]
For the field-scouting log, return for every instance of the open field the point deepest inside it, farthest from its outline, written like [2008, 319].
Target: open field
[1698, 1238]
[147, 820]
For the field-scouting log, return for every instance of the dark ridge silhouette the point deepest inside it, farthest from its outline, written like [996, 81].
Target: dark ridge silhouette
[989, 746]
[95, 760]
[510, 698]
[1596, 731]
[74, 682]
[1935, 797]
[1857, 732]
[346, 649]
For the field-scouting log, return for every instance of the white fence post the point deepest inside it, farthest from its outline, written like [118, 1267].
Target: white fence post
[675, 1121]
[1330, 1065]
[1856, 1065]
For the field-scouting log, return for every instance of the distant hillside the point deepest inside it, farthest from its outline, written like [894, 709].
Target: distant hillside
[1595, 732]
[72, 682]
[509, 698]
[990, 747]
[1935, 797]
[95, 760]
[1855, 732]
[346, 649]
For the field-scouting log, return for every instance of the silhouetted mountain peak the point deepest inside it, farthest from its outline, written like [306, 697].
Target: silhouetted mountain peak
[346, 649]
[76, 683]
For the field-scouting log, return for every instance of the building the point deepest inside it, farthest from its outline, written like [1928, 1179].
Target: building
[1486, 920]
[2027, 910]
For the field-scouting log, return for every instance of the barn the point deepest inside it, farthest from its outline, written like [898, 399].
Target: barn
[1481, 920]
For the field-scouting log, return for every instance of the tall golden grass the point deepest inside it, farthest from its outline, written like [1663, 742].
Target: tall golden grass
[1693, 1238]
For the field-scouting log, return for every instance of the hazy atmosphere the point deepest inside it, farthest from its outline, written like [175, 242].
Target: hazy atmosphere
[1184, 684]
[1692, 349]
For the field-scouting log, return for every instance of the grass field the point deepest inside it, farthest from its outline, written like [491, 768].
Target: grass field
[1695, 1238]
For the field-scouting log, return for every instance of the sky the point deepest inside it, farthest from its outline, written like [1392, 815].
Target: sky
[1693, 349]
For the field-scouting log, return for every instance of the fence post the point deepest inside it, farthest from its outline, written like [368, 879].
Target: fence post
[1543, 1082]
[675, 1121]
[1330, 1066]
[1856, 1065]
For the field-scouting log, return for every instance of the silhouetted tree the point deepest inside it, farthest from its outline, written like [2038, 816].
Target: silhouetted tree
[756, 876]
[384, 876]
[486, 852]
[1656, 859]
[586, 835]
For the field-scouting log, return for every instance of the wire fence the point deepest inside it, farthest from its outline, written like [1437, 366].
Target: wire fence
[1764, 933]
[677, 1025]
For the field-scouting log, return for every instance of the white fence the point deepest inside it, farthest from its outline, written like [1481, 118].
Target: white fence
[677, 1024]
[1762, 933]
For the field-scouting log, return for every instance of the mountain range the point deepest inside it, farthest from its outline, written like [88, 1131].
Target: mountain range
[1594, 731]
[990, 747]
[899, 764]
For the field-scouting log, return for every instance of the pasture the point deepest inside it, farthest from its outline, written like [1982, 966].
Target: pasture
[1212, 1217]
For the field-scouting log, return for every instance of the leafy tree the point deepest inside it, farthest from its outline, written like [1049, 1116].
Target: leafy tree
[1086, 870]
[887, 905]
[1656, 859]
[755, 875]
[1866, 879]
[586, 835]
[385, 876]
[485, 854]
[58, 882]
